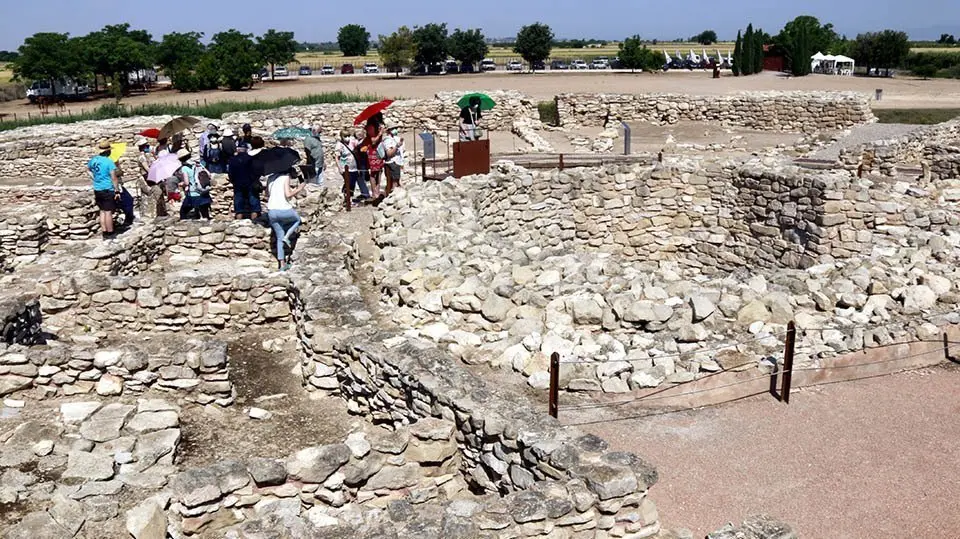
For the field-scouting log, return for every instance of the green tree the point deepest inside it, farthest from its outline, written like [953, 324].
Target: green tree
[468, 47]
[431, 42]
[8, 56]
[813, 36]
[534, 42]
[707, 37]
[277, 48]
[46, 56]
[864, 50]
[397, 50]
[179, 50]
[354, 40]
[632, 54]
[115, 51]
[748, 49]
[893, 48]
[737, 55]
[237, 56]
[759, 40]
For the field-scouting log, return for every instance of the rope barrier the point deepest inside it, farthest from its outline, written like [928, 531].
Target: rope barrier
[768, 375]
[681, 354]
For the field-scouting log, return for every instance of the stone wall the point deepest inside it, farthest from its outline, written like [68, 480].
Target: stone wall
[944, 161]
[66, 214]
[776, 111]
[910, 149]
[505, 445]
[174, 301]
[196, 367]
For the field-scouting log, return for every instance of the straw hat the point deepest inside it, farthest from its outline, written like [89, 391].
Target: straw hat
[183, 153]
[141, 141]
[104, 144]
[228, 132]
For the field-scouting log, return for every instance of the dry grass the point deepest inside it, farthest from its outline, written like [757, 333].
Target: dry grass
[939, 50]
[6, 73]
[502, 54]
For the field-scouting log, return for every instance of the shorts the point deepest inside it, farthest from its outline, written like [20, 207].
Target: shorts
[106, 200]
[394, 170]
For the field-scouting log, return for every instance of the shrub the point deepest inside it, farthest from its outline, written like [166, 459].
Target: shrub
[548, 112]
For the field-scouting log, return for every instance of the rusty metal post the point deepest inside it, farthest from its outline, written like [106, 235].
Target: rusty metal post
[423, 168]
[561, 161]
[554, 406]
[788, 360]
[347, 189]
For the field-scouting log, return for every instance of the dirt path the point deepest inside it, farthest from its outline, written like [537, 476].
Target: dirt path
[872, 458]
[897, 93]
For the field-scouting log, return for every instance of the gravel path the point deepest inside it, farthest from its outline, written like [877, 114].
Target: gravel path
[861, 135]
[865, 459]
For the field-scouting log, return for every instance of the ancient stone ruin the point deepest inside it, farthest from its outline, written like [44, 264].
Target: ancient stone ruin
[135, 404]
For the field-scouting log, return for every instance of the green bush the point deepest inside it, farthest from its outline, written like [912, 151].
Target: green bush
[930, 64]
[915, 116]
[548, 112]
[215, 110]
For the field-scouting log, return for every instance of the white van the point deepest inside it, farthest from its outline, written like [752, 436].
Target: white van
[488, 65]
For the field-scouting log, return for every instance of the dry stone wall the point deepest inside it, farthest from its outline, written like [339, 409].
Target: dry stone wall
[20, 317]
[773, 111]
[197, 368]
[910, 149]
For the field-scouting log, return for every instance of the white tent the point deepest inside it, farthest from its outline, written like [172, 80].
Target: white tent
[844, 64]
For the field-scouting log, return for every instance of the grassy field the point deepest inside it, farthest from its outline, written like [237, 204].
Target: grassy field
[6, 72]
[213, 110]
[942, 50]
[916, 116]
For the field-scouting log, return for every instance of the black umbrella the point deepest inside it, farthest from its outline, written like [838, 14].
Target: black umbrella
[275, 160]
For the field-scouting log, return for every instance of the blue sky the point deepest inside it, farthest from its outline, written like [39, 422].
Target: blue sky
[605, 19]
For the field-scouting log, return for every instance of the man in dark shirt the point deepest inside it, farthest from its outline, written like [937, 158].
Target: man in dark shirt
[246, 199]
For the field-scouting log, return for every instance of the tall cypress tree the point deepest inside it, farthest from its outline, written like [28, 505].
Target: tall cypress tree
[747, 50]
[758, 52]
[737, 55]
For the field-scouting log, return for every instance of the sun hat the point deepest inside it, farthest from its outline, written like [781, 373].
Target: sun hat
[141, 141]
[228, 132]
[183, 153]
[104, 144]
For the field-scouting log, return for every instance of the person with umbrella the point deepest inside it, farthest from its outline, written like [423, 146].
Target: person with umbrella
[106, 186]
[374, 131]
[284, 219]
[246, 195]
[470, 119]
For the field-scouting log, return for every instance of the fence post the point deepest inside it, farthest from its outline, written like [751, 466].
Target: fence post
[423, 168]
[554, 406]
[788, 360]
[561, 161]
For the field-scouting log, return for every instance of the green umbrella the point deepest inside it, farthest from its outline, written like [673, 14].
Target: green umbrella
[486, 103]
[298, 133]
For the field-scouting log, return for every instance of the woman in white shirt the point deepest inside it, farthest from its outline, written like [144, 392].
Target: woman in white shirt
[283, 218]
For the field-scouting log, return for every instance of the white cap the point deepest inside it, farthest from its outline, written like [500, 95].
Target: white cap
[228, 132]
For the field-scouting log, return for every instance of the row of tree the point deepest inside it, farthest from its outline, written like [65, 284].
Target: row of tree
[748, 52]
[111, 54]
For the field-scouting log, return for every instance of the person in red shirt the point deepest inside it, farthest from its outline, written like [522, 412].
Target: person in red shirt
[374, 135]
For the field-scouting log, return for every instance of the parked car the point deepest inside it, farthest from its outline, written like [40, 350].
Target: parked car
[538, 66]
[600, 63]
[515, 65]
[370, 67]
[466, 67]
[488, 65]
[305, 71]
[559, 64]
[579, 64]
[280, 71]
[264, 73]
[346, 69]
[616, 63]
[327, 70]
[451, 67]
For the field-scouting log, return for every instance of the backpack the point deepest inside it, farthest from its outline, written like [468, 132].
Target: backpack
[203, 179]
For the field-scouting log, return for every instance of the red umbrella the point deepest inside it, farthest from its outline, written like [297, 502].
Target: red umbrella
[371, 110]
[153, 132]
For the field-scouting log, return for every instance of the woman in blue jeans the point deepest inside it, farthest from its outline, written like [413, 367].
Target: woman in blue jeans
[283, 218]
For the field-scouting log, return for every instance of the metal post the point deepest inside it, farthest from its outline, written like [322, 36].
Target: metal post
[561, 161]
[788, 360]
[554, 384]
[423, 168]
[626, 138]
[347, 189]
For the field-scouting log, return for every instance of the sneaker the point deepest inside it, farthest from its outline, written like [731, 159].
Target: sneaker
[286, 242]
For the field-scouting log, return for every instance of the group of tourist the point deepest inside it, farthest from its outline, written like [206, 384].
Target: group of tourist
[169, 173]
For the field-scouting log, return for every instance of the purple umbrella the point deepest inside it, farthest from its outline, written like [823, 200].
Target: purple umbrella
[163, 168]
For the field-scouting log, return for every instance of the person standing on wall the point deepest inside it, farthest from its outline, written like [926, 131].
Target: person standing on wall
[314, 148]
[284, 220]
[106, 187]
